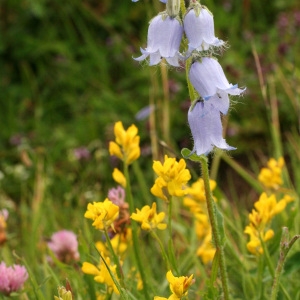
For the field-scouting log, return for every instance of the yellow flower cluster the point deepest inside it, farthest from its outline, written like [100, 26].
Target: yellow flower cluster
[260, 218]
[101, 273]
[270, 177]
[172, 178]
[195, 200]
[149, 219]
[126, 146]
[102, 213]
[178, 285]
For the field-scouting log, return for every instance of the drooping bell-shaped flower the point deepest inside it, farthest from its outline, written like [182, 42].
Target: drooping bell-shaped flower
[198, 26]
[164, 37]
[208, 79]
[206, 126]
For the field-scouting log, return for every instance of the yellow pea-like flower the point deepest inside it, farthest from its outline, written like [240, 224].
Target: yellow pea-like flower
[102, 213]
[126, 144]
[149, 218]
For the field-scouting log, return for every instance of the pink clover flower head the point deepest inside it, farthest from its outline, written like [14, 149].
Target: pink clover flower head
[198, 26]
[209, 80]
[64, 245]
[206, 127]
[12, 278]
[164, 37]
[117, 195]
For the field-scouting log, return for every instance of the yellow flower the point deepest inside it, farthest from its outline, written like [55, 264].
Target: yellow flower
[270, 177]
[202, 225]
[206, 251]
[195, 198]
[179, 285]
[260, 218]
[268, 207]
[126, 146]
[102, 213]
[172, 179]
[254, 245]
[101, 274]
[119, 177]
[149, 218]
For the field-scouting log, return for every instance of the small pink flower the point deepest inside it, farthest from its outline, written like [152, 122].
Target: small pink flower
[64, 245]
[117, 195]
[12, 278]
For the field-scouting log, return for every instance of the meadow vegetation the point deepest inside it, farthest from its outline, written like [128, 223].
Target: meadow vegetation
[87, 129]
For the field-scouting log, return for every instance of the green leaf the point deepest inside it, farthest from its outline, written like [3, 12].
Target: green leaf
[188, 154]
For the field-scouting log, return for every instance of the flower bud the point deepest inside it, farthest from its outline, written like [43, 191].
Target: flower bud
[173, 8]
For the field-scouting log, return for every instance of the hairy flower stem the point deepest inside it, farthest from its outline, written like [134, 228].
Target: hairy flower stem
[135, 238]
[214, 225]
[166, 103]
[285, 246]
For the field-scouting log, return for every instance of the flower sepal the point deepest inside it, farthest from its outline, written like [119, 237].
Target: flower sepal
[173, 8]
[190, 154]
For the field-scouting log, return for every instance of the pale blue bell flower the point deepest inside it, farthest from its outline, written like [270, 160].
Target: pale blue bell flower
[206, 127]
[164, 37]
[199, 29]
[208, 78]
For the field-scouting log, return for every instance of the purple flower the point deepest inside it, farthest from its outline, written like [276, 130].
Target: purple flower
[12, 278]
[64, 245]
[117, 195]
[206, 127]
[81, 153]
[198, 26]
[209, 80]
[164, 37]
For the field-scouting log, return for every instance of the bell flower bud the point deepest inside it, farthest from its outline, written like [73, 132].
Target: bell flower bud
[164, 37]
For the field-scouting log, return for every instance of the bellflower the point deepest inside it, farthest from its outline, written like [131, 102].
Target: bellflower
[164, 37]
[198, 26]
[205, 123]
[209, 80]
